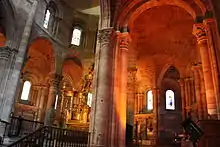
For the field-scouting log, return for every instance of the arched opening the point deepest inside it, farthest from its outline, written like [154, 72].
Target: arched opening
[159, 41]
[40, 61]
[26, 91]
[170, 108]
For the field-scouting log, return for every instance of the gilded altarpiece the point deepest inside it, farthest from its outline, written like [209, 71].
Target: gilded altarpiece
[74, 106]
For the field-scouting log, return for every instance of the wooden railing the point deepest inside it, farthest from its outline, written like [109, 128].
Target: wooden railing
[52, 137]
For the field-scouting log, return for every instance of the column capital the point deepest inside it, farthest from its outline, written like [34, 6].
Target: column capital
[105, 35]
[55, 80]
[125, 40]
[6, 51]
[196, 66]
[199, 31]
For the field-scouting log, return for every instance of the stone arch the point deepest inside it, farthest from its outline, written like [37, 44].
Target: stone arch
[131, 11]
[163, 72]
[69, 82]
[73, 70]
[8, 20]
[33, 78]
[41, 59]
[170, 110]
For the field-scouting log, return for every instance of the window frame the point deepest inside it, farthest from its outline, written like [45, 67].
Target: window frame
[52, 22]
[166, 101]
[147, 100]
[29, 92]
[81, 36]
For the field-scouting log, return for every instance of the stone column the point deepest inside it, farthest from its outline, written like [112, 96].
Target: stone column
[214, 50]
[131, 98]
[182, 86]
[155, 114]
[7, 56]
[124, 45]
[203, 93]
[188, 96]
[41, 103]
[5, 53]
[197, 90]
[100, 125]
[200, 34]
[12, 83]
[53, 90]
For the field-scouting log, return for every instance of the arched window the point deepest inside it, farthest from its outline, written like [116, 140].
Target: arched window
[76, 36]
[150, 100]
[50, 20]
[26, 91]
[89, 99]
[47, 19]
[170, 100]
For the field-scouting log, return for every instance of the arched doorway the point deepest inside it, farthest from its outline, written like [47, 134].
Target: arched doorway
[170, 108]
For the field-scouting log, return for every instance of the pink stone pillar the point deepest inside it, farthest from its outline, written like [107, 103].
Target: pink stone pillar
[203, 93]
[214, 50]
[183, 101]
[101, 110]
[198, 91]
[124, 45]
[200, 34]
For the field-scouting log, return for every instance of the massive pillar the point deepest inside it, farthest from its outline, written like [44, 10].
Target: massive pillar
[100, 125]
[203, 92]
[124, 44]
[7, 57]
[200, 34]
[12, 84]
[214, 50]
[182, 86]
[198, 90]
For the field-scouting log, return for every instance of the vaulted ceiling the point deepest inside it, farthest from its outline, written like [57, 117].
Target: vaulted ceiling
[163, 35]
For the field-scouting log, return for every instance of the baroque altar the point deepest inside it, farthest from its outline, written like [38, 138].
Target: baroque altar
[75, 105]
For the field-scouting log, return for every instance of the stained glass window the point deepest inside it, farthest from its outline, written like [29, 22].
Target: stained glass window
[76, 36]
[170, 100]
[150, 100]
[47, 19]
[26, 90]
